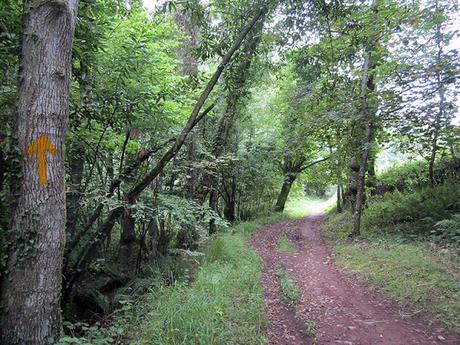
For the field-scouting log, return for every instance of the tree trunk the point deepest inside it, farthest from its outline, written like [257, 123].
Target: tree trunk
[230, 203]
[339, 183]
[31, 293]
[233, 101]
[213, 202]
[371, 174]
[441, 110]
[188, 236]
[367, 116]
[289, 179]
[2, 167]
[126, 257]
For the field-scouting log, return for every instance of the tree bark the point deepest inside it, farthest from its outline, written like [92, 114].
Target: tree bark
[339, 183]
[30, 295]
[188, 235]
[441, 109]
[367, 116]
[230, 201]
[289, 179]
[291, 171]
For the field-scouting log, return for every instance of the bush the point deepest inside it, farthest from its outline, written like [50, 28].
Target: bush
[414, 212]
[448, 230]
[414, 175]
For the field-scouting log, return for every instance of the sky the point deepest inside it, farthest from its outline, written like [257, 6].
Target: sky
[149, 4]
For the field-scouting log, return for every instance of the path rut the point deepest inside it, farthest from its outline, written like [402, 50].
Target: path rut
[334, 307]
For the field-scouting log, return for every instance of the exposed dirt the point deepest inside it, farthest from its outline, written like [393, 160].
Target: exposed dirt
[334, 307]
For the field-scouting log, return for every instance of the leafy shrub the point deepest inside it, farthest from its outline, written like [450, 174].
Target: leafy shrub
[414, 175]
[448, 229]
[412, 212]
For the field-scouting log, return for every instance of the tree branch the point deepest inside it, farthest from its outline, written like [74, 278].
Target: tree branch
[313, 163]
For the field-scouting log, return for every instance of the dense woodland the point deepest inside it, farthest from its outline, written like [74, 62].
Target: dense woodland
[131, 135]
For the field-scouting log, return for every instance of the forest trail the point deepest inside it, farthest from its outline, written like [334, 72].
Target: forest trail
[333, 306]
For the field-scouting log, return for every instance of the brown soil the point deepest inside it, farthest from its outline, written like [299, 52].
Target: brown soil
[334, 307]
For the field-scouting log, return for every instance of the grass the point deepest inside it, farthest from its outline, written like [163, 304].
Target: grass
[283, 245]
[300, 207]
[310, 328]
[223, 305]
[291, 292]
[414, 272]
[214, 299]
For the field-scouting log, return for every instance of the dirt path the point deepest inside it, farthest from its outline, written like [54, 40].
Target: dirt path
[340, 309]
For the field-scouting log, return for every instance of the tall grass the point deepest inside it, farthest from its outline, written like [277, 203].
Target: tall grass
[224, 305]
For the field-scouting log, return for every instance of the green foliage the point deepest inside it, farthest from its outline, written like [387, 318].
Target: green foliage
[291, 292]
[412, 212]
[289, 105]
[413, 175]
[211, 299]
[97, 334]
[448, 230]
[409, 242]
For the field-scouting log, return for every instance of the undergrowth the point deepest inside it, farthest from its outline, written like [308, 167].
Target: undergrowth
[414, 212]
[216, 298]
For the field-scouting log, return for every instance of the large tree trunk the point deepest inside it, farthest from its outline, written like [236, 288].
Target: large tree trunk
[289, 179]
[30, 295]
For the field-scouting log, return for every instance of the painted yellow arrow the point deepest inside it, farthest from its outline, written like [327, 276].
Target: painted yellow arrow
[39, 148]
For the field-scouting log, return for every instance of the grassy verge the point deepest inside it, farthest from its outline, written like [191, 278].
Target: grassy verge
[215, 299]
[223, 305]
[291, 292]
[411, 271]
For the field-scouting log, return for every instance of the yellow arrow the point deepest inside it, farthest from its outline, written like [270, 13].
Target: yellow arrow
[39, 148]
